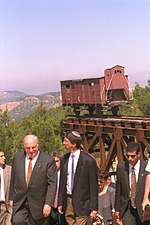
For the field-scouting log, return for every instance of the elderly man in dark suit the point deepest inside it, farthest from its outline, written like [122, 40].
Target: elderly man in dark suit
[130, 187]
[78, 190]
[5, 209]
[33, 184]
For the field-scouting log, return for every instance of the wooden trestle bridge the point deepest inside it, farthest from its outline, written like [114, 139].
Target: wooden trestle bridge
[109, 136]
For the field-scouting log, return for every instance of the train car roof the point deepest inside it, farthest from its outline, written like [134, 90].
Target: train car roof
[84, 79]
[114, 67]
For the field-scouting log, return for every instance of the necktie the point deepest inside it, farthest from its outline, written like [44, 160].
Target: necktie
[29, 171]
[72, 171]
[133, 188]
[56, 200]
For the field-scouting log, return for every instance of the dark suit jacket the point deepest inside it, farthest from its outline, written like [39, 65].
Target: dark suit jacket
[85, 189]
[42, 185]
[7, 174]
[123, 188]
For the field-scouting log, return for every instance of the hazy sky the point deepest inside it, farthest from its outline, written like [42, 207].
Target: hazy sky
[45, 41]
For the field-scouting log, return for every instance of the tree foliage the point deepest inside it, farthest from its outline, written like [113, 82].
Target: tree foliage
[45, 124]
[142, 98]
[140, 105]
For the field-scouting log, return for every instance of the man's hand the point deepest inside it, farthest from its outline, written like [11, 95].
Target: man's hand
[46, 210]
[117, 215]
[117, 218]
[93, 214]
[144, 203]
[11, 203]
[60, 210]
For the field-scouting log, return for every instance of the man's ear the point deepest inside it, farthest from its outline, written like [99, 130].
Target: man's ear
[74, 145]
[139, 154]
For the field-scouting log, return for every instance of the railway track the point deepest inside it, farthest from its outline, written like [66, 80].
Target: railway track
[142, 118]
[114, 121]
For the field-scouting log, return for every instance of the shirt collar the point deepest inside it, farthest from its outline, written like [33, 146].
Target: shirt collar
[137, 165]
[27, 157]
[76, 154]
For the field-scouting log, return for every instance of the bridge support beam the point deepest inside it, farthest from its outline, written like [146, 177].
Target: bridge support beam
[108, 137]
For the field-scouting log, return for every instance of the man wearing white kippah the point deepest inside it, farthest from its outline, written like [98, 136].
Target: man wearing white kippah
[78, 188]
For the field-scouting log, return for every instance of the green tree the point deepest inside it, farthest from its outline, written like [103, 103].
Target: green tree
[45, 123]
[140, 105]
[142, 96]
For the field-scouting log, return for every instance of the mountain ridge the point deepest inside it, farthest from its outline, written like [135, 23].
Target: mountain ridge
[19, 104]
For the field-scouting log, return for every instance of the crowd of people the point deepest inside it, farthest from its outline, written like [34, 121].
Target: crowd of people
[43, 189]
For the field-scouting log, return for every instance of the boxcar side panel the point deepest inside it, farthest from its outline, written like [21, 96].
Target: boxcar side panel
[102, 90]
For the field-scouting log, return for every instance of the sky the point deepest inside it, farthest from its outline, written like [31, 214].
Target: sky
[45, 41]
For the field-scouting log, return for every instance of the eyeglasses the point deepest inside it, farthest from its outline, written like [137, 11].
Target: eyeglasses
[132, 156]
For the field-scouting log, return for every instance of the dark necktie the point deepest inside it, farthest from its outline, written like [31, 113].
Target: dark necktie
[29, 171]
[133, 188]
[72, 171]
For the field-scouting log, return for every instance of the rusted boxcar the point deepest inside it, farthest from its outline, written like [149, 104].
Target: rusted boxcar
[95, 94]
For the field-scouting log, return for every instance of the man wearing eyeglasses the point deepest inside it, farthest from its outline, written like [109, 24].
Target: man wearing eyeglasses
[78, 190]
[130, 187]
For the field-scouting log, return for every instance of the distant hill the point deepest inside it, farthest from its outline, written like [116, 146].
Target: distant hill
[20, 104]
[11, 96]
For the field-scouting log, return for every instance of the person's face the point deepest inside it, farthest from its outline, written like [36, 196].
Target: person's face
[101, 183]
[68, 145]
[108, 180]
[2, 158]
[133, 157]
[31, 147]
[57, 161]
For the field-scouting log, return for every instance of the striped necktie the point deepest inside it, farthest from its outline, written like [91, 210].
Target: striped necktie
[133, 188]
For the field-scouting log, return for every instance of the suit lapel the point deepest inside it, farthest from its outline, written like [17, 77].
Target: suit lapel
[66, 164]
[141, 176]
[78, 169]
[126, 174]
[22, 168]
[6, 178]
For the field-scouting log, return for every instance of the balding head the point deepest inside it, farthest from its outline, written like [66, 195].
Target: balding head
[31, 145]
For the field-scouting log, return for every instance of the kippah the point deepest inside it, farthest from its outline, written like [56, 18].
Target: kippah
[76, 134]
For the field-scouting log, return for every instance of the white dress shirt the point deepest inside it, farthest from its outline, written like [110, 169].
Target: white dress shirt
[76, 158]
[2, 194]
[148, 166]
[136, 169]
[27, 160]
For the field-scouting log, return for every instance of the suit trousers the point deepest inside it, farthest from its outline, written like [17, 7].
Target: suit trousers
[24, 217]
[131, 217]
[56, 218]
[70, 216]
[5, 216]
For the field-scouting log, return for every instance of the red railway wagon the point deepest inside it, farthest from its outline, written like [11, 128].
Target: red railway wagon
[95, 94]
